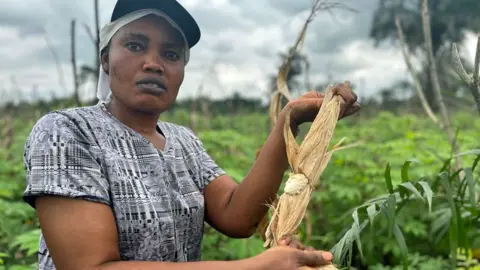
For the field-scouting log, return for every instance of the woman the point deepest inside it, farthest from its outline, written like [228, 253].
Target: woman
[115, 188]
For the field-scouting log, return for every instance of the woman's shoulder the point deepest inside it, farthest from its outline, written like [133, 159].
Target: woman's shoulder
[67, 122]
[74, 115]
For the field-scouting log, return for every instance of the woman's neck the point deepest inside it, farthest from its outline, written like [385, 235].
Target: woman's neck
[142, 122]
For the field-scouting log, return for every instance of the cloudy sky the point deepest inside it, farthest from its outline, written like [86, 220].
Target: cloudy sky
[242, 37]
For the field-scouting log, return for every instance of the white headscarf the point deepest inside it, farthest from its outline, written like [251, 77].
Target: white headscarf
[104, 93]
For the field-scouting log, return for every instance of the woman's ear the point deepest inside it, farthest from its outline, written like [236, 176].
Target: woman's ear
[104, 59]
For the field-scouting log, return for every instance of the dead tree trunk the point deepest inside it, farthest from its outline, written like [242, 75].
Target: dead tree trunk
[74, 63]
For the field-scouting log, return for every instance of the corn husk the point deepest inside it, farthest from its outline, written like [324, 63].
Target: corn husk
[307, 162]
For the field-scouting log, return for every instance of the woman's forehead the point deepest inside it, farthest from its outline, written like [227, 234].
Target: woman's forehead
[153, 27]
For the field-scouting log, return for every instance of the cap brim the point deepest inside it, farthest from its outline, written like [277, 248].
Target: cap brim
[170, 7]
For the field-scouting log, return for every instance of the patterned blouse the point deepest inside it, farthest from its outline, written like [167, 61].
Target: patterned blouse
[156, 196]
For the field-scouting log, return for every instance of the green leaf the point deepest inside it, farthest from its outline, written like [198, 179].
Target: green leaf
[440, 224]
[446, 165]
[475, 163]
[356, 232]
[338, 249]
[413, 189]
[405, 168]
[471, 189]
[2, 255]
[462, 230]
[428, 194]
[470, 152]
[390, 212]
[453, 232]
[371, 210]
[388, 178]
[402, 244]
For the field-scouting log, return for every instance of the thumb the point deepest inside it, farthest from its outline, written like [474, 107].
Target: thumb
[313, 258]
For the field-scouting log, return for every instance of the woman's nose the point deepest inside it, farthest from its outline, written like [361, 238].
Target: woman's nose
[153, 63]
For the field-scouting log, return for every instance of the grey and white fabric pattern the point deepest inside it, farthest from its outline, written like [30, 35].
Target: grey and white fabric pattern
[156, 195]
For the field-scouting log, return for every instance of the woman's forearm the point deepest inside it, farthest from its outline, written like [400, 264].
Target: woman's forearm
[250, 263]
[260, 186]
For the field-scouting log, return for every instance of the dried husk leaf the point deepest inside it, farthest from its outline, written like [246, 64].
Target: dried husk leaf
[309, 160]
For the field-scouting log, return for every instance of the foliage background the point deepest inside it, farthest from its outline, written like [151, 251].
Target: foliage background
[353, 176]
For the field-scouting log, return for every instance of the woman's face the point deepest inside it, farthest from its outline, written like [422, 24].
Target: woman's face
[146, 64]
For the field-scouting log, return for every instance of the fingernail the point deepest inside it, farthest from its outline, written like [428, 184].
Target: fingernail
[327, 256]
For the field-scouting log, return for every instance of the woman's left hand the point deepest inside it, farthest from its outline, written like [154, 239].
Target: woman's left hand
[292, 241]
[305, 108]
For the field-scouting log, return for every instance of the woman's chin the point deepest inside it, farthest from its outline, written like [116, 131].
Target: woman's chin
[151, 104]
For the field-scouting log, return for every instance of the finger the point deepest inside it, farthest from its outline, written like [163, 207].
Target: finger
[349, 110]
[314, 258]
[309, 248]
[285, 241]
[352, 110]
[292, 242]
[297, 244]
[346, 93]
[312, 94]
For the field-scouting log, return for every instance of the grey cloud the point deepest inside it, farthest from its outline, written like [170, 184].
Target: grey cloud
[26, 21]
[266, 52]
[213, 20]
[332, 64]
[258, 12]
[224, 47]
[342, 27]
[289, 7]
[48, 54]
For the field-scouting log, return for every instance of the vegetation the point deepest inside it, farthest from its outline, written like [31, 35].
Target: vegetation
[425, 203]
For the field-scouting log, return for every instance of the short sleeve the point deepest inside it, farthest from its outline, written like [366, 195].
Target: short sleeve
[61, 161]
[209, 168]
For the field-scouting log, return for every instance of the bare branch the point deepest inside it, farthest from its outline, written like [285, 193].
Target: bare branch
[89, 33]
[477, 64]
[74, 63]
[97, 32]
[416, 82]
[471, 81]
[435, 81]
[328, 6]
[432, 63]
[458, 66]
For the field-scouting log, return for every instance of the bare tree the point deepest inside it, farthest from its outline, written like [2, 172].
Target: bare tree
[472, 81]
[89, 71]
[416, 81]
[444, 123]
[97, 32]
[74, 63]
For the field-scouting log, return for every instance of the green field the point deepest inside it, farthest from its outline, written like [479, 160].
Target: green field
[353, 177]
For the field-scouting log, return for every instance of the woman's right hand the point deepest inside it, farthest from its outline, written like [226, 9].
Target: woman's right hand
[288, 258]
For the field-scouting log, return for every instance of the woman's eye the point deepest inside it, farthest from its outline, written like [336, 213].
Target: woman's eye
[134, 47]
[172, 55]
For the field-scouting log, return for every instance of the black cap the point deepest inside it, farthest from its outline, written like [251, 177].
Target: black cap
[170, 7]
